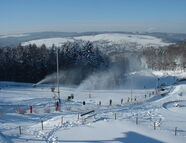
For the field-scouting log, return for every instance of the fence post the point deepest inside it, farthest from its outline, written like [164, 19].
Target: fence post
[154, 125]
[20, 130]
[42, 124]
[175, 131]
[115, 116]
[61, 120]
[136, 120]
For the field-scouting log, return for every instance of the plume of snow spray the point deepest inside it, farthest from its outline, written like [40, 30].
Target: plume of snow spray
[121, 76]
[48, 79]
[68, 77]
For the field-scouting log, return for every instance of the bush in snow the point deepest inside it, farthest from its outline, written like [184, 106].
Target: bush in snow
[68, 108]
[35, 111]
[47, 110]
[20, 111]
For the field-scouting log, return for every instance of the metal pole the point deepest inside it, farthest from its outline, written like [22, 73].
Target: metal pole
[131, 89]
[42, 124]
[57, 62]
[20, 130]
[61, 120]
[175, 131]
[158, 81]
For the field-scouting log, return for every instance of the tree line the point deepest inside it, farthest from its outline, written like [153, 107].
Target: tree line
[80, 59]
[32, 63]
[166, 58]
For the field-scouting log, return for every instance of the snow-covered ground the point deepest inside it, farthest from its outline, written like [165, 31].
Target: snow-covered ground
[142, 40]
[49, 42]
[112, 38]
[142, 117]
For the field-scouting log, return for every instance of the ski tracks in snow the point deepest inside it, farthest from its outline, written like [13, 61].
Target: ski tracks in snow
[144, 110]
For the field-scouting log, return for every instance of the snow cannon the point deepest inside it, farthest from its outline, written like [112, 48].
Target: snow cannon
[34, 85]
[176, 105]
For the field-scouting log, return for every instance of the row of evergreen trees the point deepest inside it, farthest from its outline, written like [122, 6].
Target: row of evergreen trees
[31, 63]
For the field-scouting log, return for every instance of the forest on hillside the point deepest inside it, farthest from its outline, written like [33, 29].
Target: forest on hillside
[31, 63]
[78, 60]
[172, 57]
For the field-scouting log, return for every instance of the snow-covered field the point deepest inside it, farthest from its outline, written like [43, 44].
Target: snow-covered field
[112, 38]
[49, 42]
[148, 118]
[13, 35]
[143, 40]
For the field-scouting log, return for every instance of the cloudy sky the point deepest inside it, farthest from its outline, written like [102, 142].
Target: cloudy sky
[20, 16]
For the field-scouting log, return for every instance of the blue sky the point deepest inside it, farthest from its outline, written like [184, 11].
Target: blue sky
[18, 16]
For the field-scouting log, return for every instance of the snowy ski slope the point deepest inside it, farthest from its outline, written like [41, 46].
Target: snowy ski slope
[110, 123]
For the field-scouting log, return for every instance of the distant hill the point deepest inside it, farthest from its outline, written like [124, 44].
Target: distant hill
[8, 40]
[126, 40]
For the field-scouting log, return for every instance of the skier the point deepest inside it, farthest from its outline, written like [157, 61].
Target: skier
[57, 106]
[128, 99]
[122, 101]
[110, 102]
[135, 98]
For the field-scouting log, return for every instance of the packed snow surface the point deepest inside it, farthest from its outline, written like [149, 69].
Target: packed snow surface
[112, 38]
[118, 116]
